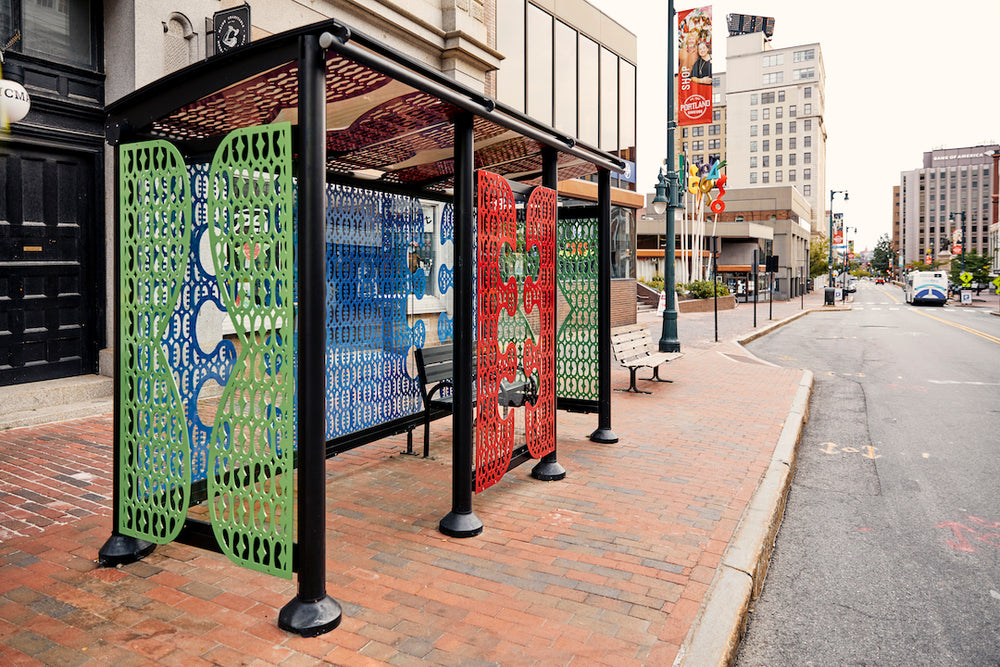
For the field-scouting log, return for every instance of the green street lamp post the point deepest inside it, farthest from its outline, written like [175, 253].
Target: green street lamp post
[667, 200]
[830, 263]
[951, 218]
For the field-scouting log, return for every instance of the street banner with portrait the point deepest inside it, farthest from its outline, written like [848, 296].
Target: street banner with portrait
[694, 66]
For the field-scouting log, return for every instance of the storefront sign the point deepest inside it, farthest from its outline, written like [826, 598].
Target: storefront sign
[232, 28]
[14, 102]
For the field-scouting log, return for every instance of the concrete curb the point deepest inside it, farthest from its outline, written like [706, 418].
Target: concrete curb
[715, 635]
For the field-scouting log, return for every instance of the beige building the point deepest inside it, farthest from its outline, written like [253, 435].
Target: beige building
[775, 101]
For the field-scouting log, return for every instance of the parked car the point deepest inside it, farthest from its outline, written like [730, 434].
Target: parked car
[879, 280]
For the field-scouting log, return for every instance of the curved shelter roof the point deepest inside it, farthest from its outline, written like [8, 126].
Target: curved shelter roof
[388, 118]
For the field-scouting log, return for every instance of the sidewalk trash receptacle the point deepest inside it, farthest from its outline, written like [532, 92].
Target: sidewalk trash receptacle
[829, 296]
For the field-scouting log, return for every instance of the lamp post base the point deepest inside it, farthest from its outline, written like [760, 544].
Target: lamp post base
[122, 550]
[604, 435]
[548, 471]
[461, 524]
[310, 619]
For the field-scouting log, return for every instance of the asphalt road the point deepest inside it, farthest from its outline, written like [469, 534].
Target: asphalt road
[889, 553]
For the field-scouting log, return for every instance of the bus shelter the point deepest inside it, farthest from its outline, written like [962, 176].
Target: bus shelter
[273, 206]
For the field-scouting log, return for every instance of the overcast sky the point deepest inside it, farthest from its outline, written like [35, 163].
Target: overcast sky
[902, 78]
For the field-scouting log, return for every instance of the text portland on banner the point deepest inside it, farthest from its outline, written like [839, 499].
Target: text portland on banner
[694, 62]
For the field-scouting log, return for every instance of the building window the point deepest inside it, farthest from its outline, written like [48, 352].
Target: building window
[698, 145]
[684, 147]
[791, 143]
[716, 99]
[715, 129]
[753, 179]
[807, 141]
[714, 156]
[777, 176]
[778, 127]
[791, 175]
[791, 127]
[777, 160]
[773, 60]
[716, 82]
[767, 114]
[807, 108]
[791, 158]
[767, 98]
[766, 145]
[781, 96]
[753, 98]
[807, 124]
[684, 133]
[698, 131]
[539, 50]
[765, 177]
[753, 130]
[588, 70]
[766, 161]
[753, 162]
[767, 130]
[753, 114]
[791, 111]
[716, 114]
[772, 78]
[807, 190]
[804, 73]
[807, 174]
[777, 145]
[713, 144]
[807, 158]
[753, 146]
[56, 30]
[777, 112]
[800, 56]
[807, 92]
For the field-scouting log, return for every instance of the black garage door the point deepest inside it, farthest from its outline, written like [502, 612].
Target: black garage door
[48, 259]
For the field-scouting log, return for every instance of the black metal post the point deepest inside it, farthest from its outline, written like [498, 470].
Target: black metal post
[462, 521]
[312, 612]
[755, 286]
[770, 289]
[548, 468]
[715, 283]
[604, 433]
[119, 549]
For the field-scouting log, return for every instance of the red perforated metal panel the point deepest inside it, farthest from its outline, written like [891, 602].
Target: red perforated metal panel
[497, 226]
[540, 419]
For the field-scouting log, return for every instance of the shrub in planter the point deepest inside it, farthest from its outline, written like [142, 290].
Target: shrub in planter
[703, 289]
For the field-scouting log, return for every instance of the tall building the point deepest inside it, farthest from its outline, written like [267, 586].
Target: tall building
[933, 199]
[775, 101]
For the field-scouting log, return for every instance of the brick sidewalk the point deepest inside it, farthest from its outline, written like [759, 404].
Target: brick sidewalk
[609, 566]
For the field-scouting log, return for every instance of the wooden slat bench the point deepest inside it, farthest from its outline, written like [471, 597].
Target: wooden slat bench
[435, 370]
[634, 348]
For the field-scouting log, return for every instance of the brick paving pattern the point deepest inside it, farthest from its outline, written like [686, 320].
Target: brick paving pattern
[609, 566]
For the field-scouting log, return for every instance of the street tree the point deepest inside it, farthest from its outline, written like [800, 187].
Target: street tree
[819, 255]
[975, 264]
[884, 256]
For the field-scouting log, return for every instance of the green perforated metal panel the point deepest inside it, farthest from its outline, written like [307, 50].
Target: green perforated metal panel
[250, 460]
[154, 237]
[576, 337]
